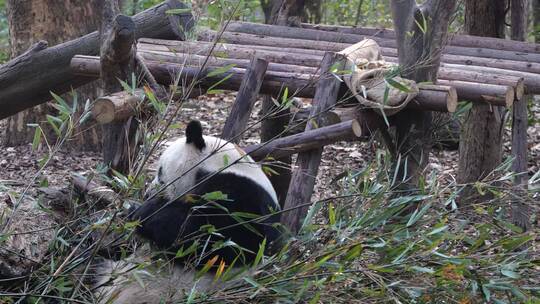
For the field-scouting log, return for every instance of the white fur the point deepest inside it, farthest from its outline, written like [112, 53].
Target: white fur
[124, 282]
[180, 157]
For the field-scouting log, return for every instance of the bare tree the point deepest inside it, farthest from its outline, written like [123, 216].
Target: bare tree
[480, 150]
[55, 22]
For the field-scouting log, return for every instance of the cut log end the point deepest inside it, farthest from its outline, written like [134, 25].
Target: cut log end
[116, 107]
[452, 100]
[103, 111]
[510, 96]
[520, 89]
[356, 128]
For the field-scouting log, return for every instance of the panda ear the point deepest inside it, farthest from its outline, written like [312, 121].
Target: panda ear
[194, 134]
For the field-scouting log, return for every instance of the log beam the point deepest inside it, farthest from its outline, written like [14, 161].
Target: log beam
[308, 140]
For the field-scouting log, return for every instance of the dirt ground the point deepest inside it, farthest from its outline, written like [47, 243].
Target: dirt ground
[19, 165]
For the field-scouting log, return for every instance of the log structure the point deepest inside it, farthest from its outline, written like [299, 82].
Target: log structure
[433, 98]
[313, 45]
[308, 63]
[324, 36]
[27, 80]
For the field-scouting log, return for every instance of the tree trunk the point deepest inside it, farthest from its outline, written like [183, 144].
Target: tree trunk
[480, 150]
[55, 22]
[272, 127]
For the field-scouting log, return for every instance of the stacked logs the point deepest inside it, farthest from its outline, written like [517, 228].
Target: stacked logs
[478, 70]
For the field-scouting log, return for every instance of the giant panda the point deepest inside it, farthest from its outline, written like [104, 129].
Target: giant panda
[175, 210]
[206, 183]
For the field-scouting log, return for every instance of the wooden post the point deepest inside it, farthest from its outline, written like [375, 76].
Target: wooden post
[117, 63]
[304, 176]
[238, 118]
[520, 211]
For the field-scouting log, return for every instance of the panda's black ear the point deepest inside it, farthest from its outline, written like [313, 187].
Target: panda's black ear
[194, 134]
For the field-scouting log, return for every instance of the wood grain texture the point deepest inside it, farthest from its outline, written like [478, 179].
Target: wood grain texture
[307, 163]
[246, 97]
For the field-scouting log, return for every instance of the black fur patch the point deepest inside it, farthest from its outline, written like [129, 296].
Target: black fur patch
[175, 225]
[194, 134]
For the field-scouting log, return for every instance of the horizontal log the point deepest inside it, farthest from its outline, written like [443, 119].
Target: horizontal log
[241, 52]
[294, 45]
[530, 80]
[318, 35]
[27, 80]
[299, 85]
[116, 107]
[306, 141]
[454, 39]
[470, 91]
[198, 60]
[202, 47]
[517, 83]
[369, 121]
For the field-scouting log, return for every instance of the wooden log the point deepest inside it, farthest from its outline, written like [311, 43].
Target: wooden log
[318, 35]
[247, 95]
[306, 141]
[299, 85]
[117, 58]
[91, 190]
[369, 121]
[198, 60]
[304, 175]
[437, 98]
[455, 40]
[116, 107]
[517, 83]
[27, 80]
[494, 94]
[203, 47]
[389, 53]
[530, 80]
[238, 52]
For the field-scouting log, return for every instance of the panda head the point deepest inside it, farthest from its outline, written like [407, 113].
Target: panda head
[183, 158]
